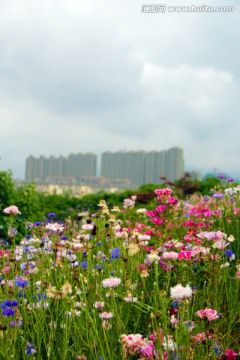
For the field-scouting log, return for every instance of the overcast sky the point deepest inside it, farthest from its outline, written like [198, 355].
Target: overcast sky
[81, 75]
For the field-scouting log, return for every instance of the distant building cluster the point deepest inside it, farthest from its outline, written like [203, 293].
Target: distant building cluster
[124, 168]
[68, 169]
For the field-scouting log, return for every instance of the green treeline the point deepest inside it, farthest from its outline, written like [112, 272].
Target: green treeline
[35, 206]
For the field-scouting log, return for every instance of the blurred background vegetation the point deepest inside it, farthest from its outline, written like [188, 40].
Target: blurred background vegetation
[35, 206]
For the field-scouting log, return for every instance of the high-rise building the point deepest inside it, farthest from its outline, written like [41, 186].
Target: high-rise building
[142, 167]
[155, 166]
[139, 167]
[174, 165]
[75, 165]
[124, 165]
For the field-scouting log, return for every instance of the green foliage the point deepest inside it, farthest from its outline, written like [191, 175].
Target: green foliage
[208, 184]
[7, 189]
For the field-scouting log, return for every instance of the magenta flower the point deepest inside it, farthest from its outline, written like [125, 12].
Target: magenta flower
[231, 354]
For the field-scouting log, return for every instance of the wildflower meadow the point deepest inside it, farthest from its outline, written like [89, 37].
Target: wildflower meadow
[125, 282]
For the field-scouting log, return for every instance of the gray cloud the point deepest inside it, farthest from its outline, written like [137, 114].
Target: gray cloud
[80, 76]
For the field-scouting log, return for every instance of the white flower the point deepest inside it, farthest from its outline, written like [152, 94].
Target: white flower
[153, 256]
[141, 211]
[231, 238]
[180, 292]
[225, 265]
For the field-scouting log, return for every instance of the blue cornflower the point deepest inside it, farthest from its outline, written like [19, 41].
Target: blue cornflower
[37, 223]
[175, 304]
[51, 215]
[64, 238]
[8, 312]
[228, 252]
[84, 254]
[20, 282]
[9, 303]
[28, 236]
[115, 253]
[84, 264]
[30, 349]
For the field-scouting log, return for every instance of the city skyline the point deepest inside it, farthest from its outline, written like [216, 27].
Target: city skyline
[139, 167]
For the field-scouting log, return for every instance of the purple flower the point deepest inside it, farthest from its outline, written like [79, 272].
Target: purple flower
[8, 312]
[228, 252]
[230, 179]
[17, 323]
[221, 176]
[218, 196]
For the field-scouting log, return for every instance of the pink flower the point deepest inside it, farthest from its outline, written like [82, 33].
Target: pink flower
[111, 282]
[231, 354]
[87, 226]
[163, 192]
[12, 210]
[147, 351]
[170, 255]
[200, 337]
[201, 313]
[210, 314]
[99, 304]
[186, 255]
[134, 344]
[130, 299]
[106, 315]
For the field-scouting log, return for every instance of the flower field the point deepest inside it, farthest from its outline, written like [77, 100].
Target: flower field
[125, 282]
